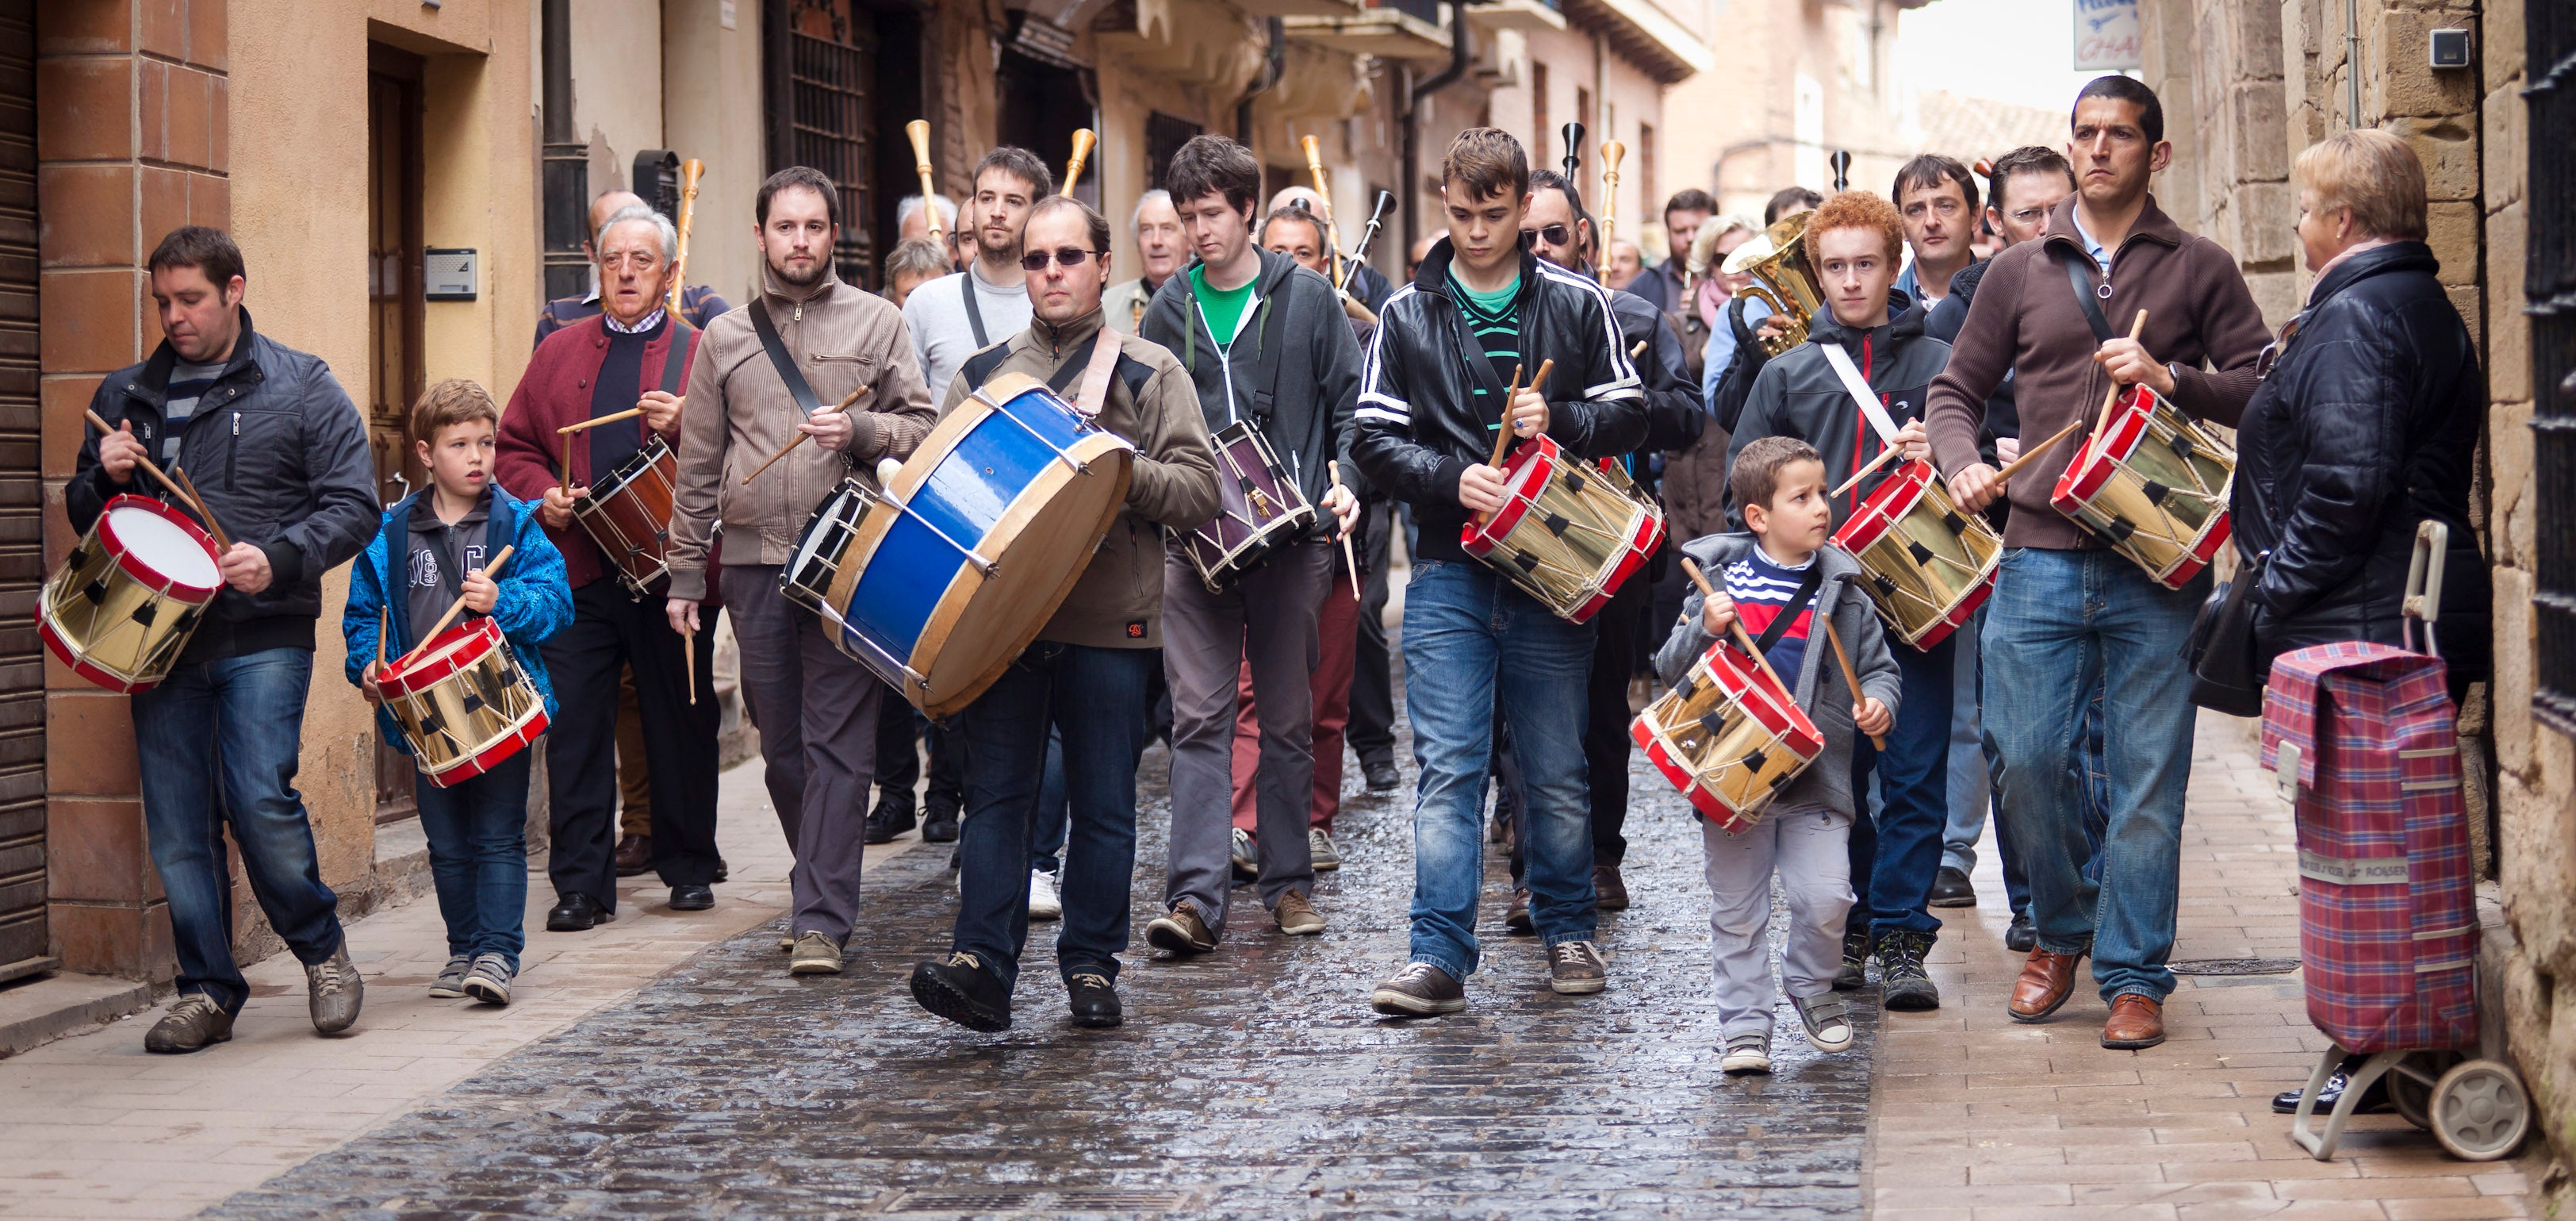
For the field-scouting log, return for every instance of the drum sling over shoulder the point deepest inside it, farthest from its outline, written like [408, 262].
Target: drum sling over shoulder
[781, 360]
[1715, 721]
[2085, 293]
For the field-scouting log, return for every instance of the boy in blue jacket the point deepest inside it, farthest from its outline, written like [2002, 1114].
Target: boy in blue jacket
[445, 534]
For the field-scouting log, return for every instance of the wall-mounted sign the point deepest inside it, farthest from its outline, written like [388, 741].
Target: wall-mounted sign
[2106, 35]
[450, 274]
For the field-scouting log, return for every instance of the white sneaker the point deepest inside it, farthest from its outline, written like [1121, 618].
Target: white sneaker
[1043, 902]
[1746, 1053]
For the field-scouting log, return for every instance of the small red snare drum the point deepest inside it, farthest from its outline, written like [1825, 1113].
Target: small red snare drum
[2154, 485]
[463, 703]
[126, 599]
[1728, 737]
[1928, 565]
[1568, 533]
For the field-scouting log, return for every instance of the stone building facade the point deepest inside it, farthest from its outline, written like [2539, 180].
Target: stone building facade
[2246, 85]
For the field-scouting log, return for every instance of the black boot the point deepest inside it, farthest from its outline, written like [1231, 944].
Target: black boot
[960, 989]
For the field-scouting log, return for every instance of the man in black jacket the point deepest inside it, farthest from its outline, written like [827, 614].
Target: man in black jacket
[1559, 230]
[1869, 340]
[1432, 399]
[279, 455]
[1268, 349]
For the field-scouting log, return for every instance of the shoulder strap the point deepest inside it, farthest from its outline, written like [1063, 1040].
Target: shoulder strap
[974, 316]
[675, 362]
[1061, 381]
[1858, 389]
[1807, 588]
[781, 361]
[2085, 294]
[980, 366]
[1095, 372]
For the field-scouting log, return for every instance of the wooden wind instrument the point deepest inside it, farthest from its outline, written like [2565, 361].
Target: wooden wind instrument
[1324, 192]
[690, 171]
[1612, 152]
[1083, 139]
[919, 130]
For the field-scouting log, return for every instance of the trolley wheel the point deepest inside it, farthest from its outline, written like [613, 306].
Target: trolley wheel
[2480, 1111]
[2412, 1096]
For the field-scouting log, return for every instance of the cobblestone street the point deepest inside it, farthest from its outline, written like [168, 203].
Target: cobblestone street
[1252, 1082]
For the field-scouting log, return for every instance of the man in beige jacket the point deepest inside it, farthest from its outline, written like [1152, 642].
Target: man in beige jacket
[817, 709]
[1088, 671]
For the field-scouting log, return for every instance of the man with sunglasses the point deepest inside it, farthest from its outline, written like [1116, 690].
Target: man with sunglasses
[1089, 672]
[1265, 344]
[1435, 392]
[1559, 229]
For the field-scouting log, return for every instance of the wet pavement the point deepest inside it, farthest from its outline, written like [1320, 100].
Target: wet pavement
[1253, 1082]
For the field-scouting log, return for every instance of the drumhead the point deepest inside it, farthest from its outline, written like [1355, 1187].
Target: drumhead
[163, 546]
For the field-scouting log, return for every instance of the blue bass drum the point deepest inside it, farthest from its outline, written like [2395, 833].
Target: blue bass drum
[966, 550]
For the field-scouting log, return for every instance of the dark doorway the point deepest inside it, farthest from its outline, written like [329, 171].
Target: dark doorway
[22, 508]
[396, 309]
[1043, 104]
[1164, 136]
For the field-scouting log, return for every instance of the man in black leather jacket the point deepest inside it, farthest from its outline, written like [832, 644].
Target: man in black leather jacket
[1432, 398]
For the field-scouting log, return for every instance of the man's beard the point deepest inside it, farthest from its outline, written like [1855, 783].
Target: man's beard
[998, 255]
[809, 279]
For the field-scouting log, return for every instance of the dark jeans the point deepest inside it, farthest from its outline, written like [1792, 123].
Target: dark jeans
[2090, 777]
[1097, 698]
[1605, 736]
[1895, 861]
[1055, 809]
[1371, 733]
[217, 742]
[610, 632]
[898, 754]
[478, 857]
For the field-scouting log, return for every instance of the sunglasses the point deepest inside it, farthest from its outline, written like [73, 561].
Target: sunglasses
[1553, 235]
[1070, 256]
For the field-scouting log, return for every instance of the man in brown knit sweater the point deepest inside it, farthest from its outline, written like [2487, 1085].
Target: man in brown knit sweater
[2067, 611]
[817, 708]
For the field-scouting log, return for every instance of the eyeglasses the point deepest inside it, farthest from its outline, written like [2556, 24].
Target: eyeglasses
[1553, 235]
[1070, 256]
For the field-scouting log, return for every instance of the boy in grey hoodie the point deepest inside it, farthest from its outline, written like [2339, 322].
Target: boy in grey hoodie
[1776, 580]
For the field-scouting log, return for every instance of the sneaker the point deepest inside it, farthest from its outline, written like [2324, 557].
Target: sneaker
[1950, 888]
[815, 954]
[1296, 915]
[1381, 774]
[787, 943]
[1746, 1053]
[2021, 936]
[194, 1023]
[1574, 968]
[1609, 890]
[887, 821]
[1319, 845]
[1903, 985]
[451, 980]
[1516, 918]
[940, 827]
[1180, 930]
[489, 982]
[1827, 1021]
[1044, 903]
[1247, 862]
[1418, 990]
[1094, 1000]
[334, 992]
[960, 989]
[1855, 969]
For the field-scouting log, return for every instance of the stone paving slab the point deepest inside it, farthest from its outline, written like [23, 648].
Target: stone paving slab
[1253, 1082]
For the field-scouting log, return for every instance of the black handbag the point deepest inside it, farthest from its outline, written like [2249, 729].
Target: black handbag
[2226, 666]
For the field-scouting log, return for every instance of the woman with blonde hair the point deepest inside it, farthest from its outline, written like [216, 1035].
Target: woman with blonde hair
[2365, 423]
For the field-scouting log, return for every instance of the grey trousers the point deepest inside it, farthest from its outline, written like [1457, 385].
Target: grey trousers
[1972, 786]
[817, 714]
[1809, 847]
[1268, 621]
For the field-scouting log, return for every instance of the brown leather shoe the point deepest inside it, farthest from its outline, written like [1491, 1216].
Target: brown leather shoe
[634, 855]
[2137, 1022]
[2046, 981]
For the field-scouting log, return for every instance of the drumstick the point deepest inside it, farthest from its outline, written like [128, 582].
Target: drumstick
[1640, 349]
[2041, 448]
[1503, 435]
[843, 405]
[567, 466]
[157, 473]
[457, 607]
[1851, 677]
[628, 414]
[384, 628]
[689, 662]
[197, 499]
[2137, 327]
[1863, 473]
[1333, 467]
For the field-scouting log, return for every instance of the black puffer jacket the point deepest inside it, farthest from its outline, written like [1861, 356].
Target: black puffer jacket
[1798, 394]
[1419, 422]
[280, 454]
[2366, 425]
[1674, 415]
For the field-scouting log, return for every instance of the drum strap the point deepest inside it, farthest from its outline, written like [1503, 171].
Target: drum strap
[675, 362]
[2084, 292]
[781, 360]
[1807, 588]
[1859, 390]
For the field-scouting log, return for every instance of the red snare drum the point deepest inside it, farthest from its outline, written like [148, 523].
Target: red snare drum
[463, 703]
[1928, 565]
[1568, 533]
[2154, 485]
[629, 514]
[126, 599]
[1728, 737]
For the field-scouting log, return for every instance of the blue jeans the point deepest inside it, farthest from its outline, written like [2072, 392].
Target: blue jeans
[1469, 635]
[1895, 858]
[239, 721]
[1097, 699]
[478, 857]
[1055, 811]
[2090, 780]
[2063, 621]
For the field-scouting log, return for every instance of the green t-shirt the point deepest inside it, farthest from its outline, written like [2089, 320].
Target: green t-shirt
[1222, 307]
[1495, 318]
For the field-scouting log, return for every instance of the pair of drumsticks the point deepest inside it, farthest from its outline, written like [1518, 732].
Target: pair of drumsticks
[2137, 327]
[182, 487]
